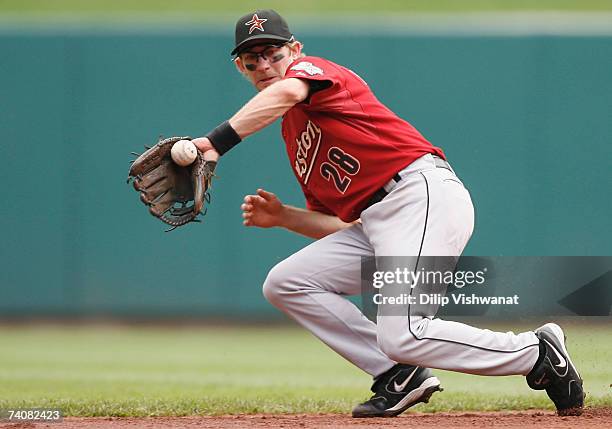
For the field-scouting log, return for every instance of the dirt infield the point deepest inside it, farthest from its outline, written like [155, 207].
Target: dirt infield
[592, 418]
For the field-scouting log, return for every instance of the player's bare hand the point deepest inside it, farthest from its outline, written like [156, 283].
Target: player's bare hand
[263, 210]
[205, 146]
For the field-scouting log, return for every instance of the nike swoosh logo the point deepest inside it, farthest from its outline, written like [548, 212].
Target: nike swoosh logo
[400, 387]
[538, 382]
[562, 362]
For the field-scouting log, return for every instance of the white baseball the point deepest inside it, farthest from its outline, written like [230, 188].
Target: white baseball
[184, 152]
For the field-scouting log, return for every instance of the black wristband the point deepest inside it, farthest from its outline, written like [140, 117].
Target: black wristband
[223, 138]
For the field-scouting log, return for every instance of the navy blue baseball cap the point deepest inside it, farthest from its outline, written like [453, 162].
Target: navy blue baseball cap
[259, 27]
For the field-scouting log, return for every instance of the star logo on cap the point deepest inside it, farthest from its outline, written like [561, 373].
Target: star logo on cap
[256, 23]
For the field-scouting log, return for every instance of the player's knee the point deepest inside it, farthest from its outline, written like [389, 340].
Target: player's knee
[270, 291]
[275, 285]
[285, 283]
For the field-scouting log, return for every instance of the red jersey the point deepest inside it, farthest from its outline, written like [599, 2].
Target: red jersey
[344, 144]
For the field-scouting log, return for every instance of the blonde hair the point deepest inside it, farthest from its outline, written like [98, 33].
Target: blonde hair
[294, 44]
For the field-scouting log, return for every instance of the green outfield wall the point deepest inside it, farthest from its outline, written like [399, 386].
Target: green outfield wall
[526, 121]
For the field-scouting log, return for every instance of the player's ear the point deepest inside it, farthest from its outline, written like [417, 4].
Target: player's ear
[296, 49]
[239, 65]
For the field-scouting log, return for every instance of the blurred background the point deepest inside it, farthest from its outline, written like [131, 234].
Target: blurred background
[517, 93]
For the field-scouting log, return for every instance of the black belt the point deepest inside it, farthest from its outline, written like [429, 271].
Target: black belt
[379, 195]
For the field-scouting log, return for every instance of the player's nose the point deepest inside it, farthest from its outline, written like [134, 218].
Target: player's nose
[263, 65]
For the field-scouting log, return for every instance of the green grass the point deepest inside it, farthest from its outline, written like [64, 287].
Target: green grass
[315, 15]
[318, 6]
[139, 371]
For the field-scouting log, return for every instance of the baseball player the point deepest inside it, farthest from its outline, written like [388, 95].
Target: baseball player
[374, 186]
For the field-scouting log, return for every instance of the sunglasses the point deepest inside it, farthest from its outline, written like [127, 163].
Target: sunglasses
[272, 54]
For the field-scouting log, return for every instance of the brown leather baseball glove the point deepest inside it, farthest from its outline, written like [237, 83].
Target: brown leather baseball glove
[174, 194]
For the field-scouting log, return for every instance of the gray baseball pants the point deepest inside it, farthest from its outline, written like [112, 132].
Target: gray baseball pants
[428, 213]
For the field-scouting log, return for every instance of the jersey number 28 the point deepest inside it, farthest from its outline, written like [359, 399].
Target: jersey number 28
[339, 162]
